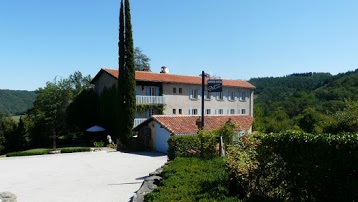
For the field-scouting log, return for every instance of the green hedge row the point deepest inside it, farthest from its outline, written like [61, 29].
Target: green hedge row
[295, 166]
[193, 179]
[74, 149]
[195, 145]
[42, 151]
[31, 152]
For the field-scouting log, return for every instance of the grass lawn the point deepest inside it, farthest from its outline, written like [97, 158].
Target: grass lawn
[42, 151]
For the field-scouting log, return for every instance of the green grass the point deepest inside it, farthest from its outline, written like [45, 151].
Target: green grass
[42, 151]
[193, 179]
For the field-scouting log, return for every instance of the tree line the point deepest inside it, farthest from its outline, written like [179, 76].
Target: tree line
[16, 102]
[313, 103]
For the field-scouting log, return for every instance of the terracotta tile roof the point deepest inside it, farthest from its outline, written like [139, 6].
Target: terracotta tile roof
[174, 78]
[181, 124]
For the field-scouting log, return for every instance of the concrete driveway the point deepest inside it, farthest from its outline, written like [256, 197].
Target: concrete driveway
[88, 176]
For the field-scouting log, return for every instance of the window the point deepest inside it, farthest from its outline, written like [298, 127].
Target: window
[174, 90]
[220, 96]
[232, 111]
[243, 96]
[220, 111]
[174, 111]
[194, 93]
[180, 90]
[231, 95]
[243, 111]
[180, 111]
[152, 91]
[195, 111]
[208, 111]
[151, 112]
[207, 95]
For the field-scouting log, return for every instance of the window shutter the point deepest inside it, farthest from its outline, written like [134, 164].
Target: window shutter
[216, 111]
[189, 111]
[199, 111]
[236, 94]
[147, 90]
[137, 90]
[224, 94]
[191, 93]
[247, 95]
[199, 94]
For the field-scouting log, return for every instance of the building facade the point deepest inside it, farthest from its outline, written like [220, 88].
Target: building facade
[170, 94]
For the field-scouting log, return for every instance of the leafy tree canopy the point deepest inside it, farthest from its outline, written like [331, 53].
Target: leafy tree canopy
[312, 102]
[141, 60]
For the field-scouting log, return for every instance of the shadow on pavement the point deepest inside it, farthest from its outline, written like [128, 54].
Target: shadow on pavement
[142, 178]
[151, 154]
[125, 183]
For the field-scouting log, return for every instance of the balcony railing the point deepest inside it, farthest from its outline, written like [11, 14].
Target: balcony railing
[138, 121]
[154, 100]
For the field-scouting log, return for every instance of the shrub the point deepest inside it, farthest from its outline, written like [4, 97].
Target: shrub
[42, 151]
[193, 179]
[30, 152]
[74, 149]
[192, 145]
[295, 166]
[98, 144]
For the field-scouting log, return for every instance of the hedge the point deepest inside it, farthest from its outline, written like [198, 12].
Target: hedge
[192, 145]
[42, 151]
[74, 149]
[193, 179]
[31, 152]
[295, 166]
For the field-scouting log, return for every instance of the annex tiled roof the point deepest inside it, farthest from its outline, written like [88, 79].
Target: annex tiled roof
[174, 78]
[182, 124]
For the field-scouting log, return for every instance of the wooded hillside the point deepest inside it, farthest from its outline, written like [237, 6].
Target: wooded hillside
[16, 102]
[312, 102]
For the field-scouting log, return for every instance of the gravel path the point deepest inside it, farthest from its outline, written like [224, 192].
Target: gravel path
[89, 176]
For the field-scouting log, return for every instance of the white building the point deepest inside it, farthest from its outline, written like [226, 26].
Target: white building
[170, 94]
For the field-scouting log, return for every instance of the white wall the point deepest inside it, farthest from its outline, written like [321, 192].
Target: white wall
[182, 101]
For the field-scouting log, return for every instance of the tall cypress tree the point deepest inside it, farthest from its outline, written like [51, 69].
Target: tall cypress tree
[121, 77]
[130, 93]
[126, 79]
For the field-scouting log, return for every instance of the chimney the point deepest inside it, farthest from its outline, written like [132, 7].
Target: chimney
[164, 70]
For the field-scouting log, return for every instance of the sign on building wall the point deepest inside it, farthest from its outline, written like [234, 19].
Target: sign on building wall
[215, 85]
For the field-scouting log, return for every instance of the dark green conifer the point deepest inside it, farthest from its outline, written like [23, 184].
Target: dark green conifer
[130, 93]
[126, 78]
[121, 77]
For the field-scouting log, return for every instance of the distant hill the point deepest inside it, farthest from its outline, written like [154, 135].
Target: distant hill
[313, 102]
[16, 102]
[277, 88]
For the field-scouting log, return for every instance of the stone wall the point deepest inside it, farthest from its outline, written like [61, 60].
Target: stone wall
[149, 184]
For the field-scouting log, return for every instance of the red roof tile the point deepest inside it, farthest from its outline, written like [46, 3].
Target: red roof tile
[174, 78]
[181, 124]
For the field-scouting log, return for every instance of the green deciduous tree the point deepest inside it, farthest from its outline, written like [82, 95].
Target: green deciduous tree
[49, 114]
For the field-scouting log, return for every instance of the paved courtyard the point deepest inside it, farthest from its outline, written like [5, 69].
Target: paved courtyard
[88, 176]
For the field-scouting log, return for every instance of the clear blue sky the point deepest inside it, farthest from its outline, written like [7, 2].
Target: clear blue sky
[236, 39]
